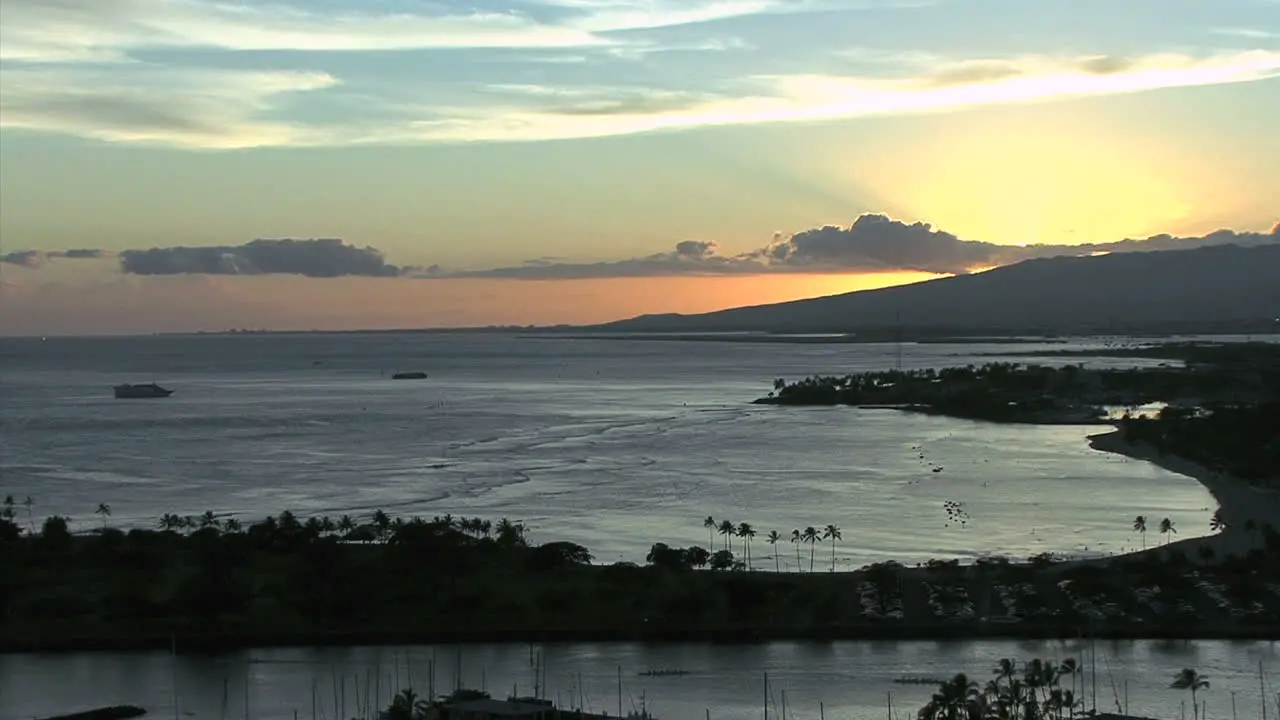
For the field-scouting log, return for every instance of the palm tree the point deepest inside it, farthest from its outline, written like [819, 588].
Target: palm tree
[346, 525]
[1006, 669]
[1070, 668]
[1191, 680]
[812, 536]
[382, 523]
[1167, 529]
[710, 524]
[105, 511]
[208, 519]
[773, 538]
[746, 532]
[832, 533]
[1216, 523]
[231, 525]
[727, 530]
[796, 537]
[406, 706]
[955, 699]
[28, 504]
[1140, 526]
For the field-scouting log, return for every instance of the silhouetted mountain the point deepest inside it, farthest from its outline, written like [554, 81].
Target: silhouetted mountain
[1211, 289]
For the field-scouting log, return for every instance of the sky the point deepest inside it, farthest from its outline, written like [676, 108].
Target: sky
[175, 165]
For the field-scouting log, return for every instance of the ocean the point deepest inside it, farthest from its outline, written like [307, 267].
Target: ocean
[612, 444]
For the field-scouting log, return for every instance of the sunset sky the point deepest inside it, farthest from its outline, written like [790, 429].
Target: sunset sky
[548, 161]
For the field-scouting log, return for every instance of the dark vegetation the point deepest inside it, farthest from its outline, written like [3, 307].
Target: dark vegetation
[1038, 690]
[1240, 440]
[1212, 377]
[210, 583]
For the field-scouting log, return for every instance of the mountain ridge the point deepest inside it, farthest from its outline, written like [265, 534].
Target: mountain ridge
[1226, 287]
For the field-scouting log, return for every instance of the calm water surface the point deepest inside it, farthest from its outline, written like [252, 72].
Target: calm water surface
[852, 680]
[611, 444]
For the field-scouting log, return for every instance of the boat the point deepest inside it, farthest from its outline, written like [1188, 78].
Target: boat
[148, 390]
[415, 375]
[663, 672]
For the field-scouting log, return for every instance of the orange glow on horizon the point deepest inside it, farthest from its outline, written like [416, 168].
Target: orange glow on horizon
[360, 302]
[120, 304]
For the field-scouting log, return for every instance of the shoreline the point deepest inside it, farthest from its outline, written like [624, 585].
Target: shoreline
[1238, 501]
[959, 632]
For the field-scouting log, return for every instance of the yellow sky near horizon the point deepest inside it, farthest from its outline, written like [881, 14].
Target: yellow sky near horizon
[213, 303]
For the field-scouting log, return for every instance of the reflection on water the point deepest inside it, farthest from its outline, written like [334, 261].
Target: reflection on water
[851, 680]
[612, 445]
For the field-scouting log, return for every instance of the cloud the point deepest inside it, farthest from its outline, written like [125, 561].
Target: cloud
[690, 257]
[94, 30]
[36, 258]
[872, 243]
[207, 108]
[191, 108]
[1248, 33]
[320, 258]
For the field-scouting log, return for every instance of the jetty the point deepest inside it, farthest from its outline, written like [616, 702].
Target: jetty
[523, 708]
[114, 712]
[662, 672]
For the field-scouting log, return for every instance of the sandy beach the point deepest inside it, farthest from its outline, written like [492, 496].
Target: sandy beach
[1238, 501]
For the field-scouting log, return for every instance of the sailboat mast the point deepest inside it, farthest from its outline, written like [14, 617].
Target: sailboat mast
[1093, 671]
[1262, 690]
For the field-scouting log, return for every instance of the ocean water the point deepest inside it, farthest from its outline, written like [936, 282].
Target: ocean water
[608, 443]
[838, 680]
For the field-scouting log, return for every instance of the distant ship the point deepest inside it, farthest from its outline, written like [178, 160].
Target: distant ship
[148, 390]
[416, 375]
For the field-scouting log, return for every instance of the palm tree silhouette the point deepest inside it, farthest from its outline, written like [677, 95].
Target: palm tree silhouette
[1216, 523]
[746, 532]
[1140, 526]
[955, 699]
[772, 538]
[381, 523]
[28, 503]
[796, 537]
[812, 536]
[231, 525]
[1006, 670]
[105, 511]
[1167, 529]
[710, 524]
[406, 706]
[346, 525]
[832, 533]
[727, 530]
[1189, 679]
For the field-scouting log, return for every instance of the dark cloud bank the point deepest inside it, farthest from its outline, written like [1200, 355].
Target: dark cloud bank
[872, 243]
[36, 258]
